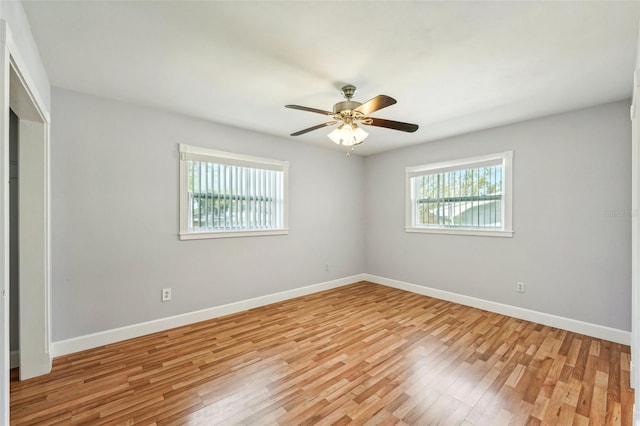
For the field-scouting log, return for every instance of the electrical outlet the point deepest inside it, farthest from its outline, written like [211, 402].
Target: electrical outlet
[166, 294]
[520, 287]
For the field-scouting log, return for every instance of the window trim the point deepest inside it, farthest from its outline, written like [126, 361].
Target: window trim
[505, 157]
[186, 151]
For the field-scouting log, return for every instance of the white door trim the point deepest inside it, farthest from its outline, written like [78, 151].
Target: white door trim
[635, 245]
[14, 73]
[4, 225]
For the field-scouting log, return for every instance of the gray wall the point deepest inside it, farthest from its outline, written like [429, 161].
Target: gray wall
[115, 218]
[114, 183]
[571, 216]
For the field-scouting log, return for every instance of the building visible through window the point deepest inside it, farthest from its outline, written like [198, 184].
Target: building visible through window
[469, 196]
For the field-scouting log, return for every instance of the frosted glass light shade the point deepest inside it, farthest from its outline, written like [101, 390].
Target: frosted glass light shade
[348, 135]
[360, 135]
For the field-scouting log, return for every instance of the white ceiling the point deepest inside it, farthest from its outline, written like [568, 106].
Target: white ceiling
[454, 67]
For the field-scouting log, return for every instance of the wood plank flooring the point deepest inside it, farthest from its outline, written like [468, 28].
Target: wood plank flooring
[360, 354]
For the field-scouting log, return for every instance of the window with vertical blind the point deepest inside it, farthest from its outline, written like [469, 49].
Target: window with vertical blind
[224, 194]
[471, 196]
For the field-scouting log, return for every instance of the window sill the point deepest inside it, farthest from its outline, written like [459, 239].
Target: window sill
[230, 234]
[473, 232]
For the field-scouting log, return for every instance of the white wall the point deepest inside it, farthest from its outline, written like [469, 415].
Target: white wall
[570, 171]
[25, 46]
[115, 218]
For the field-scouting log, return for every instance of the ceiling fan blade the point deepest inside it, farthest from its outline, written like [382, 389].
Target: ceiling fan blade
[375, 104]
[390, 124]
[303, 108]
[319, 126]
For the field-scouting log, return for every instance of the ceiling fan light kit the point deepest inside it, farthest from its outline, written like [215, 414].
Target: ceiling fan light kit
[350, 113]
[348, 135]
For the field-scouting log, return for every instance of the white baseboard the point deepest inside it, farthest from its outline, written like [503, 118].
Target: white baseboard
[589, 329]
[14, 359]
[76, 344]
[89, 341]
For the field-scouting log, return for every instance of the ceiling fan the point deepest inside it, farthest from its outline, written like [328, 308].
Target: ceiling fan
[350, 113]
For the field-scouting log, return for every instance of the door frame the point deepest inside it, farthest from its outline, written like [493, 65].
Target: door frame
[635, 245]
[20, 92]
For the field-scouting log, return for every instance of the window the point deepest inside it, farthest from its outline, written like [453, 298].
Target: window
[231, 195]
[470, 196]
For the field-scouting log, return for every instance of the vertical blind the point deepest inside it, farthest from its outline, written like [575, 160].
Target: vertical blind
[225, 192]
[228, 197]
[469, 197]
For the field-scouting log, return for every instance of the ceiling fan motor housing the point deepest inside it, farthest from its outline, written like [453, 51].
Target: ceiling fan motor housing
[345, 106]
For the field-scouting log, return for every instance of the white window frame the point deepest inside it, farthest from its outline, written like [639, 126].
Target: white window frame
[188, 152]
[461, 164]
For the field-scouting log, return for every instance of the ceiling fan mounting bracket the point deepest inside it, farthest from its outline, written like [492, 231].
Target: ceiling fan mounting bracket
[348, 91]
[345, 108]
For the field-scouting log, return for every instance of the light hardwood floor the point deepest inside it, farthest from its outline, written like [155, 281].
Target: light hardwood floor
[358, 354]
